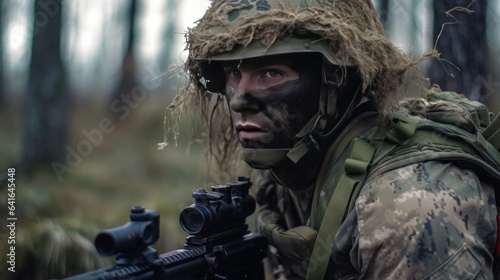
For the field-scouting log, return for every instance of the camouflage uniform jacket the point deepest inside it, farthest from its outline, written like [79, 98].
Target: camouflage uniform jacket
[429, 220]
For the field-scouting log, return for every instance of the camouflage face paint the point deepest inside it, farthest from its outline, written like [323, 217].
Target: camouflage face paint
[272, 98]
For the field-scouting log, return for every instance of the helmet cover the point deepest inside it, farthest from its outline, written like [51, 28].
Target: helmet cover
[345, 32]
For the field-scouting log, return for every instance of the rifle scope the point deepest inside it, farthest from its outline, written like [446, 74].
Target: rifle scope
[142, 230]
[227, 205]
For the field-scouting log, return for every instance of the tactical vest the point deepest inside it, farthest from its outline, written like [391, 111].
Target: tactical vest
[444, 126]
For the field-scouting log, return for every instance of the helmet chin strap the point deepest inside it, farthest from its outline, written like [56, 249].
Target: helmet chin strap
[269, 158]
[318, 134]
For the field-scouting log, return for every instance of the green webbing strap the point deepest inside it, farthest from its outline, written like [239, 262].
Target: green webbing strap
[403, 130]
[355, 171]
[492, 132]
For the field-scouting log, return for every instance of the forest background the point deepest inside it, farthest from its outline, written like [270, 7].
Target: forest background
[83, 90]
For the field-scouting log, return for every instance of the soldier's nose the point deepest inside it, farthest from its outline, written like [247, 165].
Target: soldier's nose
[243, 97]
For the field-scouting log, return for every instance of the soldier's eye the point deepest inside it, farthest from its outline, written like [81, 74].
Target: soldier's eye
[272, 74]
[233, 73]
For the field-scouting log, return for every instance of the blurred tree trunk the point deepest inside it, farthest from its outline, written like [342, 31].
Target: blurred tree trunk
[2, 86]
[171, 11]
[127, 80]
[45, 112]
[461, 44]
[383, 10]
[162, 81]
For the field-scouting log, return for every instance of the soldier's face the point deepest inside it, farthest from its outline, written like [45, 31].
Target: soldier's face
[271, 98]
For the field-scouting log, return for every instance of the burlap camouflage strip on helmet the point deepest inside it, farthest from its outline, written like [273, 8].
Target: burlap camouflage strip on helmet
[351, 28]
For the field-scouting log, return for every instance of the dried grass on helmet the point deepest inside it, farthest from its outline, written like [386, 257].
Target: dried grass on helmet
[351, 28]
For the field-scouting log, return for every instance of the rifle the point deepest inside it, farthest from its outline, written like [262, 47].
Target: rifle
[219, 245]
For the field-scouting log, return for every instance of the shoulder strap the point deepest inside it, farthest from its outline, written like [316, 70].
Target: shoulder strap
[492, 133]
[356, 167]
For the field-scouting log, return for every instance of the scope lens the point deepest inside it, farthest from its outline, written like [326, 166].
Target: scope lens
[192, 220]
[105, 244]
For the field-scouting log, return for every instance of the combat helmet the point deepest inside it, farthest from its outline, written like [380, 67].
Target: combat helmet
[348, 34]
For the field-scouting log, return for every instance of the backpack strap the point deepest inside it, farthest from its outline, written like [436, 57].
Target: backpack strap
[356, 166]
[492, 133]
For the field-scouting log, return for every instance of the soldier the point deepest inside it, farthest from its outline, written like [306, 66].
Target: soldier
[311, 90]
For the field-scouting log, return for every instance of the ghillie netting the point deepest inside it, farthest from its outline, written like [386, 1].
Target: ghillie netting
[351, 29]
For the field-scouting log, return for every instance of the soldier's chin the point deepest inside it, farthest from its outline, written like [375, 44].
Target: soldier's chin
[264, 158]
[246, 144]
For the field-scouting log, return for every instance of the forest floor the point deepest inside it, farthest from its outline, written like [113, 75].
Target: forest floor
[59, 215]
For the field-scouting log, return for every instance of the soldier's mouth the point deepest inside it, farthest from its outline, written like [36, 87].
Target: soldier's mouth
[251, 135]
[250, 131]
